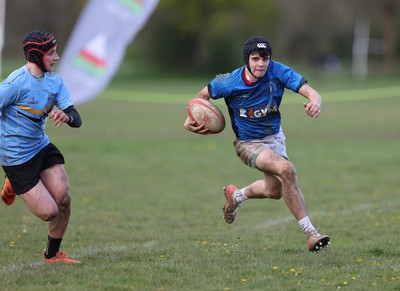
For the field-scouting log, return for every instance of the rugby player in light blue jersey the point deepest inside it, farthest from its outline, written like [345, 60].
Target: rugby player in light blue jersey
[253, 94]
[34, 167]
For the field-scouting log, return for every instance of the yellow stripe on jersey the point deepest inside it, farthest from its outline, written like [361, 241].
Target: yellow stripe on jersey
[37, 111]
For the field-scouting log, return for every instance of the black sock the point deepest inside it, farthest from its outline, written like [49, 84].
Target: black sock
[52, 247]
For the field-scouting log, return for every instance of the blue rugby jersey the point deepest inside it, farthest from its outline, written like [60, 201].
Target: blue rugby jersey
[25, 103]
[254, 108]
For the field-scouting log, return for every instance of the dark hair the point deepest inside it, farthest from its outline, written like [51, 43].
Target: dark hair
[256, 43]
[36, 44]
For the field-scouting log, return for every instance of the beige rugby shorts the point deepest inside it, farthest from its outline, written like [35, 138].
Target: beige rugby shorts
[248, 151]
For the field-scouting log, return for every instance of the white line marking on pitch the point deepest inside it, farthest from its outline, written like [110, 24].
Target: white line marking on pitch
[343, 212]
[88, 252]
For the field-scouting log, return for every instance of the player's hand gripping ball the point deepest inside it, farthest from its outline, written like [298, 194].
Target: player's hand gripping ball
[206, 113]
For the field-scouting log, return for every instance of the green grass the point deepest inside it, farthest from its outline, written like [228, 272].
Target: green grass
[147, 197]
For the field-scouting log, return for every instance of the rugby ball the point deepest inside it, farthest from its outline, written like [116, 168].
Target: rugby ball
[204, 112]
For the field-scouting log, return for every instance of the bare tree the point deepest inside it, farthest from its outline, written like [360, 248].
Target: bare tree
[389, 9]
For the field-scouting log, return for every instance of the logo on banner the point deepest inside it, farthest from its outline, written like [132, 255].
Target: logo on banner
[92, 57]
[135, 5]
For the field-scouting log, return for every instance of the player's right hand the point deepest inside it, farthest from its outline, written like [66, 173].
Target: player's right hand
[192, 126]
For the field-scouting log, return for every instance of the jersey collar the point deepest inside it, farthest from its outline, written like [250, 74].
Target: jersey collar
[245, 79]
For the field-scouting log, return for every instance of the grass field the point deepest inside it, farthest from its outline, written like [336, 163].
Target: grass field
[147, 197]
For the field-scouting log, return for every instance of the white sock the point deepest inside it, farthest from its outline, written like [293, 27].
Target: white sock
[240, 196]
[306, 224]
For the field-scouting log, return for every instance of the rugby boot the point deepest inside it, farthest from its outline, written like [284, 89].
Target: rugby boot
[7, 193]
[231, 207]
[61, 257]
[316, 241]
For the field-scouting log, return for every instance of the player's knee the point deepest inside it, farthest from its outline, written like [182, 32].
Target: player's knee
[65, 200]
[288, 172]
[50, 214]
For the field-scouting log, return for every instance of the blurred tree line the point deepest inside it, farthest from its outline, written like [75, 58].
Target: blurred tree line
[198, 36]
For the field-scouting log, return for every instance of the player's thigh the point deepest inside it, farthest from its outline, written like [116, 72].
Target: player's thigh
[40, 202]
[56, 181]
[273, 164]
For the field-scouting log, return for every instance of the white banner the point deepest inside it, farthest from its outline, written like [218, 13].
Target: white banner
[98, 42]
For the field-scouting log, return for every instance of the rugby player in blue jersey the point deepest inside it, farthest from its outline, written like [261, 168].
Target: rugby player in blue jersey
[253, 94]
[34, 167]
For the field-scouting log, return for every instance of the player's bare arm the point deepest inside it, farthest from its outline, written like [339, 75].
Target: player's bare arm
[313, 107]
[204, 94]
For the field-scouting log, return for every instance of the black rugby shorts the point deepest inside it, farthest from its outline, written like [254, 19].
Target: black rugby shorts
[27, 175]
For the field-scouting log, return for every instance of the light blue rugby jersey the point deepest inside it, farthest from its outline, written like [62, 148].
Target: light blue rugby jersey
[25, 103]
[254, 108]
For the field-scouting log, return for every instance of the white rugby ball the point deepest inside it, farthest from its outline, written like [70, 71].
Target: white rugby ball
[204, 112]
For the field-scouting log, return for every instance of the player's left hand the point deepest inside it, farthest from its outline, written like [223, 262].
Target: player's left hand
[312, 109]
[59, 117]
